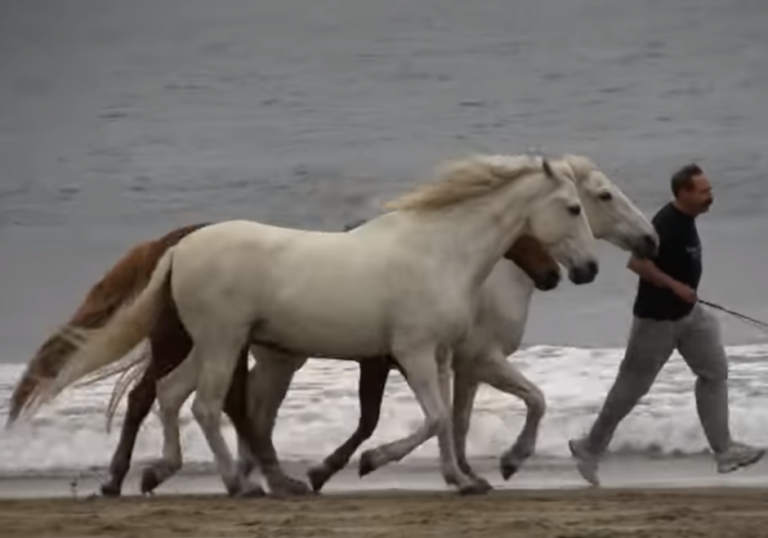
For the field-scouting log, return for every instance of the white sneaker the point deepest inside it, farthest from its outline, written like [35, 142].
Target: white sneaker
[586, 462]
[738, 455]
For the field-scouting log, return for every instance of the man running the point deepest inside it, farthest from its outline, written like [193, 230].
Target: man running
[667, 316]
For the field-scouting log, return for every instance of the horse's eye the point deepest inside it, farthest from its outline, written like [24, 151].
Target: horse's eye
[574, 210]
[605, 196]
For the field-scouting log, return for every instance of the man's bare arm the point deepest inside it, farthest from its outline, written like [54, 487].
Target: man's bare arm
[648, 270]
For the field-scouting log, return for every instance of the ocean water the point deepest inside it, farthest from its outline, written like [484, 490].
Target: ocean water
[120, 121]
[321, 411]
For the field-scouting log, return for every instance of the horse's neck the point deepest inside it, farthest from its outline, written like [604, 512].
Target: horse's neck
[505, 303]
[510, 290]
[475, 234]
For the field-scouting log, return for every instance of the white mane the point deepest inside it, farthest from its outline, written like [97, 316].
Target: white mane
[463, 179]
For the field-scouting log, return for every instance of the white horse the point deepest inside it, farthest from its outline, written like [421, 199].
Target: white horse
[506, 299]
[499, 320]
[403, 284]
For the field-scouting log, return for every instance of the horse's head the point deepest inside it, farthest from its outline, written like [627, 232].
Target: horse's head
[610, 212]
[532, 257]
[560, 224]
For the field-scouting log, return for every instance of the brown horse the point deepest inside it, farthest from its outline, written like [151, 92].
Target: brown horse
[170, 344]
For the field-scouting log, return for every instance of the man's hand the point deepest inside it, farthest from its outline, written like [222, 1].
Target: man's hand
[685, 292]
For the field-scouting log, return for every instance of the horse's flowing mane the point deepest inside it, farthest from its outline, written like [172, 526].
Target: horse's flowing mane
[581, 165]
[460, 180]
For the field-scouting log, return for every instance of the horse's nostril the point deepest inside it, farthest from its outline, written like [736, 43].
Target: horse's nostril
[585, 273]
[650, 242]
[552, 279]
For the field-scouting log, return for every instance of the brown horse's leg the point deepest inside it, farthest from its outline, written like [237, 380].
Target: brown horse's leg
[373, 380]
[268, 383]
[139, 403]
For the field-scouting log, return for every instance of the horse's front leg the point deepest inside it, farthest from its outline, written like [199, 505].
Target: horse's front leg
[430, 381]
[268, 383]
[452, 471]
[464, 391]
[495, 370]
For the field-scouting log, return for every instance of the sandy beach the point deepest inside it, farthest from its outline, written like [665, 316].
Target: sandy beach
[640, 497]
[581, 513]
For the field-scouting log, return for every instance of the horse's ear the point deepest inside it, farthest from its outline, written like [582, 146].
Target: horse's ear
[547, 169]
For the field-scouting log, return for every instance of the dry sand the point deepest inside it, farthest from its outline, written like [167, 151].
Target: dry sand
[717, 512]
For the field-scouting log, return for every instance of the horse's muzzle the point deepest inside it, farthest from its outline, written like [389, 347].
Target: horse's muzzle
[583, 274]
[547, 280]
[646, 247]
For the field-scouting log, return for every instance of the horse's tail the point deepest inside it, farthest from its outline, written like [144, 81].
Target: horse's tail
[130, 368]
[127, 278]
[130, 373]
[50, 358]
[99, 348]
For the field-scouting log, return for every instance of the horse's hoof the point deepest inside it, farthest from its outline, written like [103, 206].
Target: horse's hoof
[149, 481]
[249, 492]
[368, 463]
[318, 476]
[509, 468]
[512, 461]
[482, 483]
[291, 487]
[110, 490]
[475, 488]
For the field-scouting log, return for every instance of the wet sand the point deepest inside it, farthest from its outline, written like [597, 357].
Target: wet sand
[640, 497]
[656, 513]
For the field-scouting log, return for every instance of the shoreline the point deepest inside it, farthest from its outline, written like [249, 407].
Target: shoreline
[616, 471]
[562, 513]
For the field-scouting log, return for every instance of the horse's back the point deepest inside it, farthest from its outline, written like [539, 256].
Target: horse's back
[282, 280]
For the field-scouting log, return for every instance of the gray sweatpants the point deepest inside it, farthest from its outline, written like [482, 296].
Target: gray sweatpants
[651, 343]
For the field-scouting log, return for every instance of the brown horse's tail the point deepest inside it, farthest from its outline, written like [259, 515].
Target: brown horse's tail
[101, 347]
[119, 285]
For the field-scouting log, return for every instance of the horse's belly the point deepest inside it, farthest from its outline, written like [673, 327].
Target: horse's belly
[333, 332]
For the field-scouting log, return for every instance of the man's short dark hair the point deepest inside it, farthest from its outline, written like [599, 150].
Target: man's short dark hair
[683, 178]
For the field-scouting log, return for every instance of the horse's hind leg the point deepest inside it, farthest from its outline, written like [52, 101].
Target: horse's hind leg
[268, 383]
[370, 391]
[140, 401]
[236, 407]
[217, 352]
[172, 391]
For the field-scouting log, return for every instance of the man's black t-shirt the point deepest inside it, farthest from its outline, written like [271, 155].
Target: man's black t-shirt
[679, 256]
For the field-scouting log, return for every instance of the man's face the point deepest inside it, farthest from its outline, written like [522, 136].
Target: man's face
[699, 195]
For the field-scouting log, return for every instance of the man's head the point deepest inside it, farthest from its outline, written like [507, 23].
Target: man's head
[693, 193]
